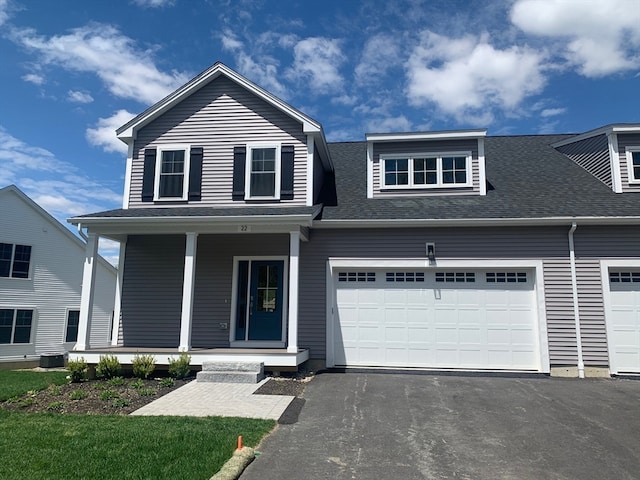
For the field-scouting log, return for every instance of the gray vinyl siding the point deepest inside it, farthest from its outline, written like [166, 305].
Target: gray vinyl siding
[218, 117]
[434, 146]
[548, 244]
[592, 154]
[593, 330]
[152, 290]
[214, 274]
[627, 140]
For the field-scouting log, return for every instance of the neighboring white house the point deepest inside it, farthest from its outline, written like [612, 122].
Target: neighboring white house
[41, 264]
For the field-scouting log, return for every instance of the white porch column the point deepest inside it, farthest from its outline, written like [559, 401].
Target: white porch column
[117, 304]
[294, 256]
[88, 290]
[188, 285]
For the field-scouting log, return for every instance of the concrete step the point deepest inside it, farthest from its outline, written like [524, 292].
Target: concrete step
[213, 366]
[233, 376]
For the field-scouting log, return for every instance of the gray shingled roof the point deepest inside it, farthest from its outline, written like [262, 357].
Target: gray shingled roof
[527, 177]
[253, 211]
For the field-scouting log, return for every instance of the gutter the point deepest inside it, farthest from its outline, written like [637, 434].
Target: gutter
[576, 306]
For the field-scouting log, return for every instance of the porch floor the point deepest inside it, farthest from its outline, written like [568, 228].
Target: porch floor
[271, 357]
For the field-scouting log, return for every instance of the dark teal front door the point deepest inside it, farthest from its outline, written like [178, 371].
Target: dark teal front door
[259, 303]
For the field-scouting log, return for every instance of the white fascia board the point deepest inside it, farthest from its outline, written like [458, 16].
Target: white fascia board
[614, 159]
[475, 222]
[606, 130]
[413, 136]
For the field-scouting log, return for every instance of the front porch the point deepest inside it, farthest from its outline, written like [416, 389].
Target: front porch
[273, 358]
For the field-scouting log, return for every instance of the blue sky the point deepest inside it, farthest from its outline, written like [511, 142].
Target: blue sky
[73, 71]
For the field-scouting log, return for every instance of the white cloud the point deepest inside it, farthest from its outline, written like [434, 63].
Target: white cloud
[380, 53]
[602, 36]
[390, 124]
[4, 11]
[316, 62]
[103, 134]
[154, 3]
[468, 79]
[77, 96]
[552, 112]
[33, 78]
[126, 70]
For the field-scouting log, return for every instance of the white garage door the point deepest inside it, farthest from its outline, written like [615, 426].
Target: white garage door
[624, 322]
[475, 319]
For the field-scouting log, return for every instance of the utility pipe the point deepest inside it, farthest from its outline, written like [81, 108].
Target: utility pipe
[576, 306]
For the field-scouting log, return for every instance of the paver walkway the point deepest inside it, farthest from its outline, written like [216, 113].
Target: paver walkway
[203, 399]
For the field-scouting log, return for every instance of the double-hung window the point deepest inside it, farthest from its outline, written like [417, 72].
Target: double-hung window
[15, 325]
[14, 260]
[73, 320]
[263, 172]
[633, 164]
[427, 170]
[172, 172]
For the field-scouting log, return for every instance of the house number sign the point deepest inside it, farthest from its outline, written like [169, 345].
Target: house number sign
[244, 228]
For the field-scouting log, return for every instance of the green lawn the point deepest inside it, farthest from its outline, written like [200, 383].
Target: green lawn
[49, 446]
[19, 382]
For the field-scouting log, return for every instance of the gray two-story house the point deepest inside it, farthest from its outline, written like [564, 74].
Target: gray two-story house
[245, 235]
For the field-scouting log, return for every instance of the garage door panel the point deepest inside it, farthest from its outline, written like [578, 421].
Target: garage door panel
[624, 321]
[461, 324]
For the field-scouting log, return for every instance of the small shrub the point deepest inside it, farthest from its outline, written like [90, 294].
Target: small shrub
[78, 395]
[99, 386]
[108, 395]
[167, 382]
[180, 367]
[56, 390]
[147, 392]
[116, 382]
[120, 403]
[143, 365]
[138, 383]
[27, 402]
[77, 369]
[108, 367]
[56, 406]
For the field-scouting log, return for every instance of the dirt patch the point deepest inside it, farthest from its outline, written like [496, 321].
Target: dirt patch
[95, 397]
[287, 383]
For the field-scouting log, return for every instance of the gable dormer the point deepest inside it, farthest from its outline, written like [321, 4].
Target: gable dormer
[610, 153]
[426, 163]
[222, 141]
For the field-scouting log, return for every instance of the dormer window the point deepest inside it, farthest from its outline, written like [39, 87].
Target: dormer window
[172, 172]
[633, 162]
[445, 170]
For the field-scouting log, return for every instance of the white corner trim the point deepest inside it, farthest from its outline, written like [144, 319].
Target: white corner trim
[369, 170]
[482, 169]
[127, 175]
[614, 158]
[333, 263]
[310, 169]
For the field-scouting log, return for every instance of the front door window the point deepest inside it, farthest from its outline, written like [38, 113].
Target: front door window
[259, 302]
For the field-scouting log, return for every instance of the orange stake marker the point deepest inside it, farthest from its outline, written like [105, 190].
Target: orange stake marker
[239, 442]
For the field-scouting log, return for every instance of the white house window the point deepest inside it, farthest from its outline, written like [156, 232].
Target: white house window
[263, 172]
[73, 320]
[172, 172]
[633, 162]
[15, 325]
[14, 260]
[427, 171]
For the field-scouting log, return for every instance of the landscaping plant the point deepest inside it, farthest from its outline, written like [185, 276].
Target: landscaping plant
[143, 365]
[108, 367]
[77, 369]
[181, 366]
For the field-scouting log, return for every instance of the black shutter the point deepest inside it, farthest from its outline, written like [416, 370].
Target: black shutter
[195, 174]
[239, 162]
[286, 173]
[149, 174]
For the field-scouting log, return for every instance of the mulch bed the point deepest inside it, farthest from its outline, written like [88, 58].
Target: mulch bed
[94, 397]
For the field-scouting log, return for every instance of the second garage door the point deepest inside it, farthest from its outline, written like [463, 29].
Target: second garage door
[473, 319]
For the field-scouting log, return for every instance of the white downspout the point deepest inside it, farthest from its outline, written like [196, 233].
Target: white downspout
[81, 233]
[576, 306]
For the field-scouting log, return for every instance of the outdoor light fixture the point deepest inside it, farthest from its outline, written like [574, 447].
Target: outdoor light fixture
[431, 252]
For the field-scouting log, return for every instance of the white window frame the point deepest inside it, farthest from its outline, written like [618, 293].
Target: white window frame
[185, 180]
[631, 178]
[13, 256]
[418, 156]
[13, 325]
[247, 171]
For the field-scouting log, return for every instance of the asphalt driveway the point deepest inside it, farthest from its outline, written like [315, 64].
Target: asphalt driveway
[403, 426]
